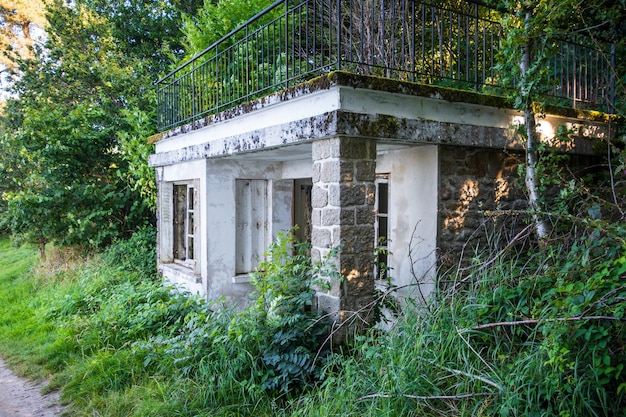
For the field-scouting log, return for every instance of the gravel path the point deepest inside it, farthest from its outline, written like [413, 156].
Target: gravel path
[22, 398]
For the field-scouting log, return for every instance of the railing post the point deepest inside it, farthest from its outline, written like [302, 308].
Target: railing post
[159, 107]
[338, 23]
[193, 90]
[286, 43]
[611, 97]
[218, 94]
[247, 69]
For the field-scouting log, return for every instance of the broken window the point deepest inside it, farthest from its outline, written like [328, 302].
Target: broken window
[382, 226]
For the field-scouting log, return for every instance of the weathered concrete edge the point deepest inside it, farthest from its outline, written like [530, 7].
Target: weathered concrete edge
[385, 128]
[369, 82]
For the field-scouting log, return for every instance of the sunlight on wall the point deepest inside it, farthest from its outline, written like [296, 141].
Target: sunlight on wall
[469, 191]
[502, 188]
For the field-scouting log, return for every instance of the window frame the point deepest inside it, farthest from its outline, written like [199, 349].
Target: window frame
[184, 236]
[251, 245]
[383, 255]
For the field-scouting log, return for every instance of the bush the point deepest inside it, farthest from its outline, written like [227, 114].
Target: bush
[521, 334]
[293, 334]
[136, 254]
[276, 344]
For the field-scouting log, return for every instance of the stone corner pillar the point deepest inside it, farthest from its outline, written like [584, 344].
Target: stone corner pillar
[343, 196]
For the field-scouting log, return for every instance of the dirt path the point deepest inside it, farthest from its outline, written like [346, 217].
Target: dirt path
[21, 398]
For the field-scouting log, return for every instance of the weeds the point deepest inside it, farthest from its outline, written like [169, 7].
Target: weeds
[518, 334]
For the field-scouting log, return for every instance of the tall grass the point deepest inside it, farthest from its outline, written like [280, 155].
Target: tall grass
[525, 334]
[533, 334]
[23, 336]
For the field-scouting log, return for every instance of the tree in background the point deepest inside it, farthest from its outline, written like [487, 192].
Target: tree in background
[19, 19]
[531, 27]
[75, 127]
[216, 19]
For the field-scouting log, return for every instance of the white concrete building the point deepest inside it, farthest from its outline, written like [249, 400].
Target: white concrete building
[350, 159]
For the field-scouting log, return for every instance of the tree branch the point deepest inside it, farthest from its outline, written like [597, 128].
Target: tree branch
[428, 397]
[536, 321]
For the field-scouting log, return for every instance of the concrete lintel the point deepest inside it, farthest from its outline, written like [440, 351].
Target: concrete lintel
[381, 127]
[337, 124]
[271, 137]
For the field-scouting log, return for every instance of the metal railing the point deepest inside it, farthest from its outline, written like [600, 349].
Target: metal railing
[295, 40]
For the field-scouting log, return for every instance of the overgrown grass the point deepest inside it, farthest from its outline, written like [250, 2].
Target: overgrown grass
[516, 335]
[23, 336]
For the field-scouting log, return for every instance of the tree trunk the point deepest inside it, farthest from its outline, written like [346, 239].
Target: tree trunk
[532, 141]
[42, 249]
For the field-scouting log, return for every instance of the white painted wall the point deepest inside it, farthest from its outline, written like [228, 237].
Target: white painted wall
[413, 215]
[175, 274]
[216, 179]
[413, 173]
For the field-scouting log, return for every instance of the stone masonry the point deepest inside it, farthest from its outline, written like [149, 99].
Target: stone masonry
[476, 185]
[343, 199]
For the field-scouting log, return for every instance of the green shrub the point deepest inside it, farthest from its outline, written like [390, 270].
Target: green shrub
[276, 344]
[136, 254]
[293, 334]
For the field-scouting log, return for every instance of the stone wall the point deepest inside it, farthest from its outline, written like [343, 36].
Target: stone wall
[475, 186]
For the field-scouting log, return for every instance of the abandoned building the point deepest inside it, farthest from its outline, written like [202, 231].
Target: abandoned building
[338, 117]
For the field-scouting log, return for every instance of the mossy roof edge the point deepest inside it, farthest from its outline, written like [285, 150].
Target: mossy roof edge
[389, 85]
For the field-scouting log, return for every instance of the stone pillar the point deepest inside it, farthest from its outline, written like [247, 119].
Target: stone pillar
[343, 195]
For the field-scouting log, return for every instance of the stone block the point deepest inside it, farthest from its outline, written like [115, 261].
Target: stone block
[358, 285]
[355, 148]
[346, 171]
[319, 197]
[365, 214]
[330, 171]
[330, 216]
[334, 195]
[365, 170]
[328, 303]
[447, 166]
[352, 194]
[335, 235]
[321, 238]
[358, 239]
[370, 194]
[317, 171]
[347, 216]
[321, 149]
[316, 255]
[316, 216]
[364, 261]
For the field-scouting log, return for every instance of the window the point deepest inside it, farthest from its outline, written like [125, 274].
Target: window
[184, 233]
[252, 228]
[382, 226]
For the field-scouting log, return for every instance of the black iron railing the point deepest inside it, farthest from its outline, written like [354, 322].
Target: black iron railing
[294, 40]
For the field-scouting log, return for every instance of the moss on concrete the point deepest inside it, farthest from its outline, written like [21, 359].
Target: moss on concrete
[376, 83]
[155, 138]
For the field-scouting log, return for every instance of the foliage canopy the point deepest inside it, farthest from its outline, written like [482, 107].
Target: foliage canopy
[74, 149]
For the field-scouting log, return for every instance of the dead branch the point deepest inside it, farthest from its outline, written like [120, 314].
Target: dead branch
[536, 321]
[429, 397]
